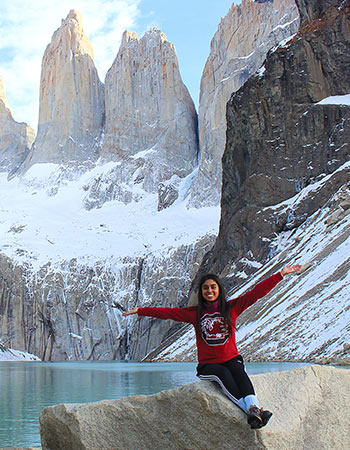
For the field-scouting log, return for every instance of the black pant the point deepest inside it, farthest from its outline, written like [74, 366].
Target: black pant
[230, 375]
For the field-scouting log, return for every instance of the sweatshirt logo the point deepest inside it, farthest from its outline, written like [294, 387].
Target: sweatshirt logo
[214, 331]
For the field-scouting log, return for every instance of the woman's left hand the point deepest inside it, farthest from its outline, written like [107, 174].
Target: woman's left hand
[290, 269]
[128, 313]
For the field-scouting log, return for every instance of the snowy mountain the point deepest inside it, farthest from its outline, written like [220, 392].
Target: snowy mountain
[66, 269]
[286, 195]
[306, 316]
[96, 220]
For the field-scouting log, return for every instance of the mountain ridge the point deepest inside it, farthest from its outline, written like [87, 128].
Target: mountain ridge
[84, 240]
[286, 195]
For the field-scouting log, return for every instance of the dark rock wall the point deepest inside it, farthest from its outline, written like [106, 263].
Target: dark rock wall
[279, 140]
[314, 9]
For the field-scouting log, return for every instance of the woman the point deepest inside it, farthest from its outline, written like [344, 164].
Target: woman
[214, 320]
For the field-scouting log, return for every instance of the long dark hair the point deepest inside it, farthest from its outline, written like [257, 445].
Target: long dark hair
[223, 305]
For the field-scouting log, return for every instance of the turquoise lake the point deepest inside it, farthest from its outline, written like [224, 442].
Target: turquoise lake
[28, 387]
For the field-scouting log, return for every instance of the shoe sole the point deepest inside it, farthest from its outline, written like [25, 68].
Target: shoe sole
[263, 423]
[254, 418]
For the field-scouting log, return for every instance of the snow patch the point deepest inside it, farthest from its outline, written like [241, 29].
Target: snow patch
[38, 227]
[336, 100]
[143, 153]
[8, 354]
[260, 72]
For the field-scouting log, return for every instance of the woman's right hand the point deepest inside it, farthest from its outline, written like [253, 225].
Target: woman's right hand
[132, 311]
[290, 269]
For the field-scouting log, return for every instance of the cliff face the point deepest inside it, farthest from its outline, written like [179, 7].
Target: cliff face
[237, 50]
[311, 10]
[15, 138]
[151, 122]
[71, 113]
[148, 108]
[279, 140]
[72, 310]
[67, 270]
[286, 191]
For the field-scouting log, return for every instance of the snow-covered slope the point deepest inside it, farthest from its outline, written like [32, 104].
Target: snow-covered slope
[8, 354]
[43, 219]
[306, 316]
[69, 271]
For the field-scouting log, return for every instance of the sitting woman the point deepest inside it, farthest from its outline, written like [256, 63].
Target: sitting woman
[214, 320]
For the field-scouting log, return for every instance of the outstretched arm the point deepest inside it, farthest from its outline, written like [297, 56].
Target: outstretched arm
[132, 311]
[290, 269]
[178, 314]
[241, 303]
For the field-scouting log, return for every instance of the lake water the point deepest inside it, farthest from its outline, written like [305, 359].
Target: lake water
[28, 387]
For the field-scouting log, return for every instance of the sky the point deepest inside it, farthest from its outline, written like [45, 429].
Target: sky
[27, 26]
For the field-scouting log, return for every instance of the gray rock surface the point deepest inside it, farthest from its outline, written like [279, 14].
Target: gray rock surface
[15, 138]
[71, 112]
[308, 405]
[151, 122]
[237, 50]
[73, 311]
[279, 140]
[311, 10]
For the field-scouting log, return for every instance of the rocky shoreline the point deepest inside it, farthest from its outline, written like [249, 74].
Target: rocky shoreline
[19, 448]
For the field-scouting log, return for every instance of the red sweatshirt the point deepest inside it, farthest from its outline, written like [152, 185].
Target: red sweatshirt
[214, 343]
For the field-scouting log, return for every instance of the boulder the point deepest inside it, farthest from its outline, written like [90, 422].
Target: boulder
[308, 405]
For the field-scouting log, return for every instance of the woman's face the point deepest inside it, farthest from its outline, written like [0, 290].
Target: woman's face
[210, 290]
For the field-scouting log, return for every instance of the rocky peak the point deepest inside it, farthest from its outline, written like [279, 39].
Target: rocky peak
[237, 50]
[280, 141]
[71, 98]
[151, 122]
[146, 99]
[127, 36]
[74, 18]
[71, 33]
[15, 138]
[3, 100]
[153, 34]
